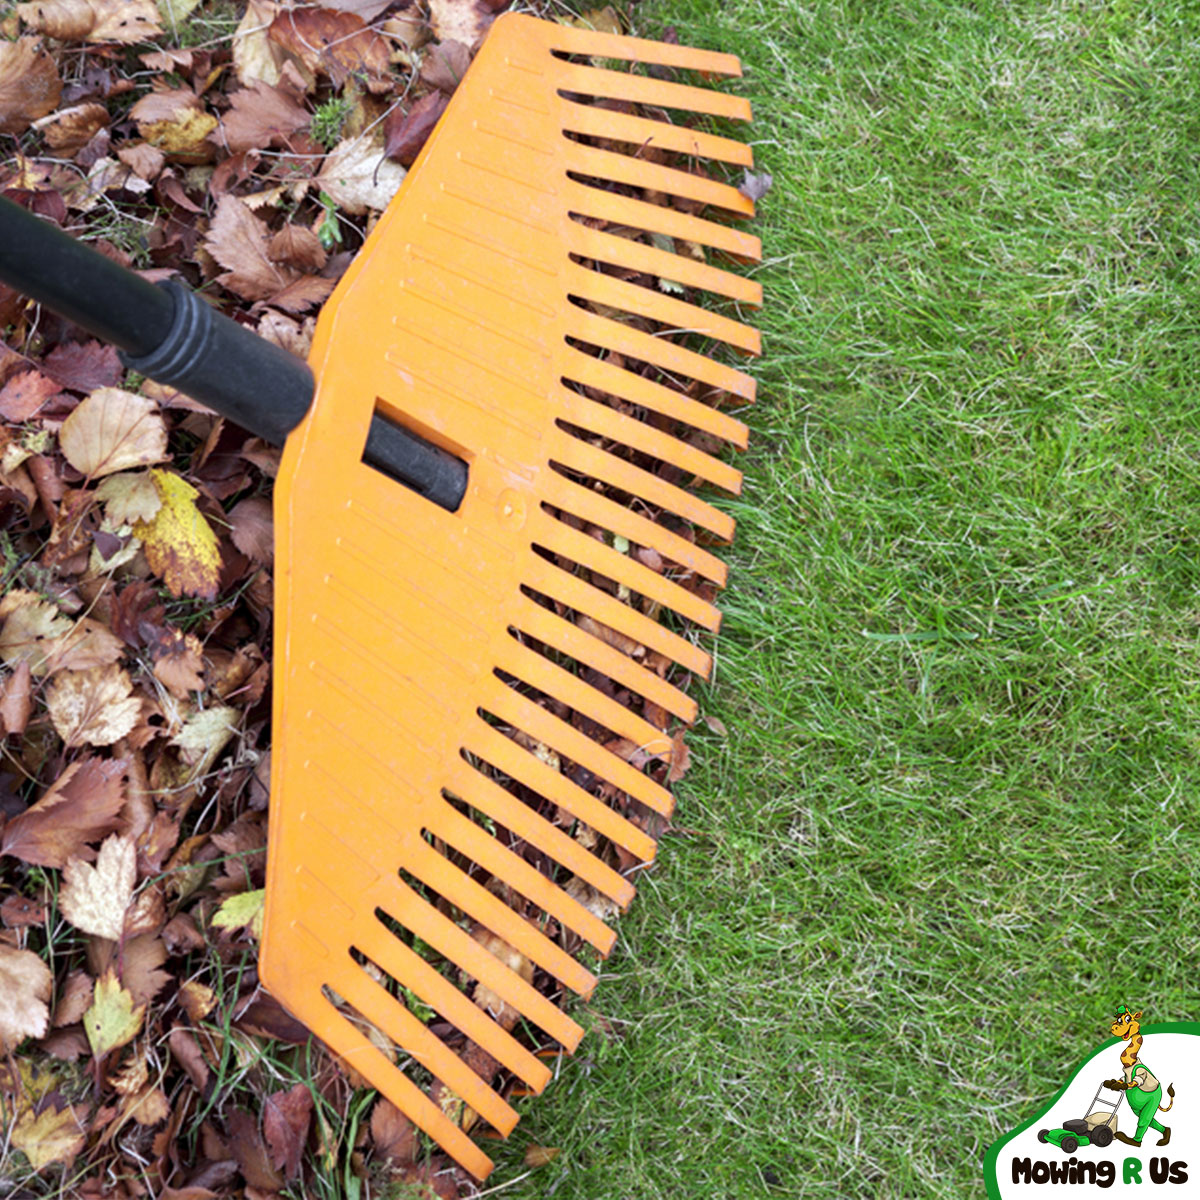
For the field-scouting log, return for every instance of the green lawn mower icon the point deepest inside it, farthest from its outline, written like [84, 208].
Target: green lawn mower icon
[1093, 1129]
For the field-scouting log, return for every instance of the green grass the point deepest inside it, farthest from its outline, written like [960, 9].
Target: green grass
[954, 823]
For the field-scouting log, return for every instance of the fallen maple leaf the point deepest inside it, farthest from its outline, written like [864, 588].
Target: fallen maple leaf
[25, 985]
[112, 430]
[53, 1135]
[141, 958]
[94, 898]
[83, 805]
[179, 543]
[29, 84]
[126, 21]
[358, 176]
[94, 707]
[178, 663]
[259, 116]
[286, 1118]
[113, 1020]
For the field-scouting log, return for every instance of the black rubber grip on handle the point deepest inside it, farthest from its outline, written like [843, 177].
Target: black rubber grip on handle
[214, 360]
[168, 334]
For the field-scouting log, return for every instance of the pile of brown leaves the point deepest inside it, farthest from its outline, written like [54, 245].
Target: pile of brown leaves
[136, 545]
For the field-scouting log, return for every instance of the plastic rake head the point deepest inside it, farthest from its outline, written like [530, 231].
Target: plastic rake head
[470, 706]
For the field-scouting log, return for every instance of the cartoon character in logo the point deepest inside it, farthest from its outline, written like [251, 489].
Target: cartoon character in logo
[1141, 1089]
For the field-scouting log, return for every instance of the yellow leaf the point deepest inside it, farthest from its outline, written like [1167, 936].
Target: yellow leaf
[241, 911]
[112, 430]
[174, 12]
[184, 137]
[94, 706]
[179, 543]
[25, 984]
[94, 899]
[204, 735]
[53, 1136]
[113, 1019]
[539, 1156]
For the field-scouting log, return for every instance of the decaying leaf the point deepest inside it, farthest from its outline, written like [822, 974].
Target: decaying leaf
[252, 529]
[70, 129]
[24, 394]
[174, 121]
[255, 56]
[179, 543]
[82, 806]
[29, 84]
[94, 707]
[25, 985]
[113, 430]
[94, 898]
[358, 175]
[113, 1020]
[31, 633]
[405, 133]
[16, 699]
[260, 116]
[178, 663]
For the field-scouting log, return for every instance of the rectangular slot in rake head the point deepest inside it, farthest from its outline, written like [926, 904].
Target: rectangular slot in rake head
[471, 708]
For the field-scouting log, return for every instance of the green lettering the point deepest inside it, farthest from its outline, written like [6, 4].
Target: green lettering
[1131, 1172]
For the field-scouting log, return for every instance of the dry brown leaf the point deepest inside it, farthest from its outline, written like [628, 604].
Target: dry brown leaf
[73, 999]
[490, 1001]
[24, 395]
[29, 84]
[174, 121]
[89, 644]
[394, 1135]
[83, 366]
[238, 240]
[94, 707]
[145, 160]
[31, 633]
[53, 1135]
[125, 21]
[70, 129]
[178, 663]
[445, 65]
[405, 133]
[141, 958]
[463, 21]
[16, 699]
[286, 1118]
[358, 176]
[299, 247]
[25, 986]
[129, 497]
[336, 44]
[255, 56]
[112, 430]
[82, 806]
[94, 898]
[259, 116]
[540, 1156]
[198, 1000]
[252, 529]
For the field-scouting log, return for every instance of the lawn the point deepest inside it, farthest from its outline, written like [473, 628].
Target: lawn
[953, 822]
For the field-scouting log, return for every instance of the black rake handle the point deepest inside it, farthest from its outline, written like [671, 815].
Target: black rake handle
[169, 334]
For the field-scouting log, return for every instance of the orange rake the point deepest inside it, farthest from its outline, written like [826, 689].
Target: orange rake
[449, 678]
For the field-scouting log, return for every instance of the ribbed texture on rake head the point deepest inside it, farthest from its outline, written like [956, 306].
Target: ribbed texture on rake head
[469, 706]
